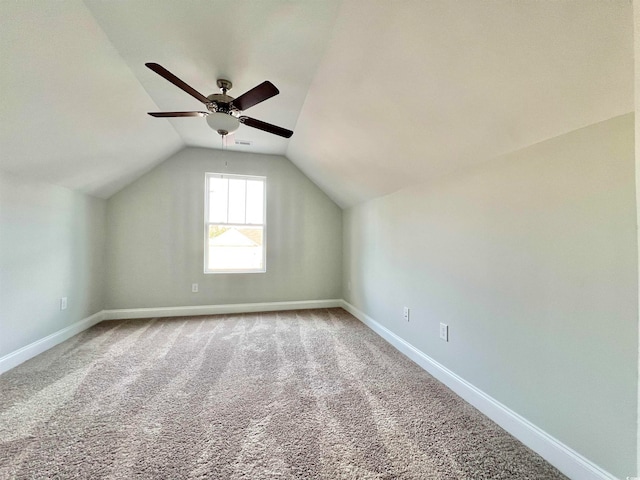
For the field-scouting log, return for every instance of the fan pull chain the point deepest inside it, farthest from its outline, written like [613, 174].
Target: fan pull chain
[224, 143]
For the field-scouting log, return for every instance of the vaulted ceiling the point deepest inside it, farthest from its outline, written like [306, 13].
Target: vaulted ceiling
[381, 94]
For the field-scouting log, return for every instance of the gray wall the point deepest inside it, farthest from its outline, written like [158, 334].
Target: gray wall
[531, 260]
[51, 246]
[156, 238]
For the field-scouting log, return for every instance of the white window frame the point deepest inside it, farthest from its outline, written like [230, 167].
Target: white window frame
[207, 223]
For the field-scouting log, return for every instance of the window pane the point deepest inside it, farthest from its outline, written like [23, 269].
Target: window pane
[232, 248]
[237, 197]
[235, 224]
[218, 199]
[255, 199]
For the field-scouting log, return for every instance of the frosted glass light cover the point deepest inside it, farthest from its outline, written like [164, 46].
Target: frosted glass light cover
[223, 121]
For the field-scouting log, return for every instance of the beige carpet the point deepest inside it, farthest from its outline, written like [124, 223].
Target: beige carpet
[306, 394]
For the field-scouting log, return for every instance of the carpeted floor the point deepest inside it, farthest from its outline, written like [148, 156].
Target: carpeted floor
[305, 394]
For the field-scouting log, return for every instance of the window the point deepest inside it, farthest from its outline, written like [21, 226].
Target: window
[234, 223]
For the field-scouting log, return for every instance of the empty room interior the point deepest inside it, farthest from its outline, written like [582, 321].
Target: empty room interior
[356, 239]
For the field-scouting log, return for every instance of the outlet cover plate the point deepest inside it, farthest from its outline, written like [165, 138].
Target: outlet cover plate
[194, 288]
[63, 303]
[405, 313]
[444, 332]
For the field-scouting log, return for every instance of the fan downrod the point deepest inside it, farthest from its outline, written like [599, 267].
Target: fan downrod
[224, 85]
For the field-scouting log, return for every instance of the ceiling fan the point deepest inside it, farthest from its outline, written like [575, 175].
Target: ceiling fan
[224, 112]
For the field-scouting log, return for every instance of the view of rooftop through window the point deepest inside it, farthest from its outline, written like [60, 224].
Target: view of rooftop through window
[235, 223]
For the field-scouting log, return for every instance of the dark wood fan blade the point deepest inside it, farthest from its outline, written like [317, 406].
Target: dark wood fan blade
[167, 75]
[178, 114]
[256, 95]
[267, 127]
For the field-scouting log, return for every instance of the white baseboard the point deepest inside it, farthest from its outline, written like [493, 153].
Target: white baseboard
[29, 351]
[217, 309]
[565, 459]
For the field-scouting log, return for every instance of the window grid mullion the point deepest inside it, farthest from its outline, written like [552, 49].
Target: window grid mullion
[223, 224]
[245, 201]
[228, 186]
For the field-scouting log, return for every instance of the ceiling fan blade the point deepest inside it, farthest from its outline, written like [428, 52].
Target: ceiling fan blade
[256, 95]
[178, 114]
[167, 75]
[267, 127]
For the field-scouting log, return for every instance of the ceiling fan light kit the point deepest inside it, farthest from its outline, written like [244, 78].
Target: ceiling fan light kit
[224, 112]
[223, 123]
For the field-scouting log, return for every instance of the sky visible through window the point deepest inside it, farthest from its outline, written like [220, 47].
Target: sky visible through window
[236, 201]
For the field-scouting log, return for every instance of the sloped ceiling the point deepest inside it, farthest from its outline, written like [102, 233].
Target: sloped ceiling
[381, 94]
[70, 111]
[411, 91]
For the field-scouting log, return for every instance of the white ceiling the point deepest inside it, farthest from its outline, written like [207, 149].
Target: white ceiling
[72, 112]
[381, 94]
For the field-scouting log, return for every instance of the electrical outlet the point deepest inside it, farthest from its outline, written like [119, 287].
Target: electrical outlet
[63, 303]
[444, 332]
[194, 288]
[405, 313]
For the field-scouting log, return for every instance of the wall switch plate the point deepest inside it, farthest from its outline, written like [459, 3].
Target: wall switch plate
[444, 332]
[63, 303]
[194, 288]
[405, 313]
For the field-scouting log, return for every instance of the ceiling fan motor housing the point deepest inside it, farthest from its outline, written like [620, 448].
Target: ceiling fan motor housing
[221, 102]
[222, 119]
